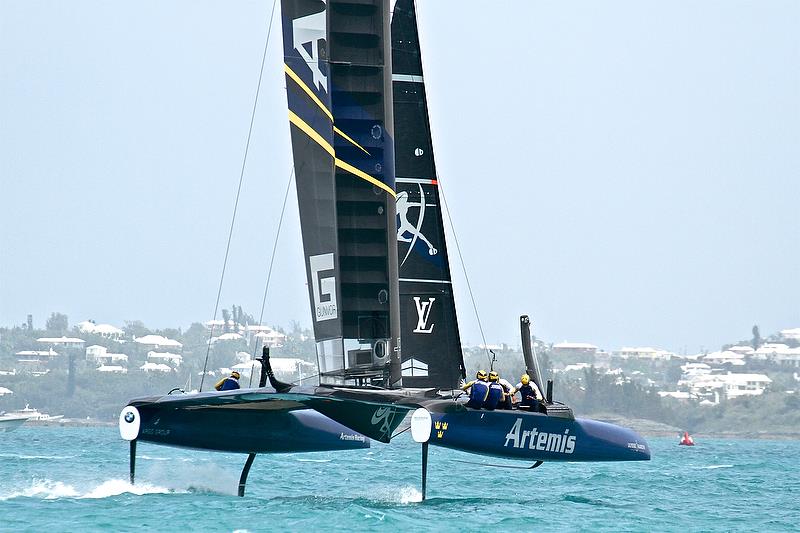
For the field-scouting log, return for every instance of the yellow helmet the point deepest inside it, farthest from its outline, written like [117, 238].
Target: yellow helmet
[235, 374]
[525, 379]
[494, 376]
[481, 374]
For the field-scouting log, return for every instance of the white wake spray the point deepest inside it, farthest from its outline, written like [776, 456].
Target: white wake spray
[47, 489]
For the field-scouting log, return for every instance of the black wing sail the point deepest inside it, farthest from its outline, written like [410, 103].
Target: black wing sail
[339, 95]
[429, 329]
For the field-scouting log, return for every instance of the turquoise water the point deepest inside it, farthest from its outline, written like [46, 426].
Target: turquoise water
[75, 479]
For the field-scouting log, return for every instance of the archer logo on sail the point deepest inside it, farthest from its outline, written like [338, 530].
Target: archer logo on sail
[323, 287]
[403, 205]
[423, 314]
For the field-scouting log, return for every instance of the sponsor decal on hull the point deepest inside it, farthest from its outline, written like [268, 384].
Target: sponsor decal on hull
[383, 416]
[534, 439]
[352, 437]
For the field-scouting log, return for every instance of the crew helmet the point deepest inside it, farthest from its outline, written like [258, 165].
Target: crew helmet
[481, 374]
[494, 376]
[525, 379]
[235, 374]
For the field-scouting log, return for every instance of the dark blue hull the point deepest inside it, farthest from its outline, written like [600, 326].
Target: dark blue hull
[535, 436]
[255, 428]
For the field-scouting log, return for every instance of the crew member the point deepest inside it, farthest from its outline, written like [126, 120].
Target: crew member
[229, 383]
[508, 394]
[478, 390]
[496, 392]
[529, 392]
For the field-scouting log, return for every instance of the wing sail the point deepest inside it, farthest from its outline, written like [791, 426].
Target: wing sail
[305, 44]
[429, 327]
[339, 94]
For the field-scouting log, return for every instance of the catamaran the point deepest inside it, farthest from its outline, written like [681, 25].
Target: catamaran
[378, 274]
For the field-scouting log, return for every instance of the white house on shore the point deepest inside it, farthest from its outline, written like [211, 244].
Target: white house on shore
[791, 334]
[731, 385]
[578, 351]
[270, 338]
[225, 337]
[727, 357]
[36, 356]
[166, 358]
[112, 369]
[66, 342]
[100, 354]
[155, 367]
[157, 341]
[780, 354]
[104, 330]
[646, 353]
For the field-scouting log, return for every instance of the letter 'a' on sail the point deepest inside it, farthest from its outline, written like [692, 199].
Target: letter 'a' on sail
[432, 354]
[340, 108]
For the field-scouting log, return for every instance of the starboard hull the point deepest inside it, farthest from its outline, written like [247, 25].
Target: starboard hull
[535, 436]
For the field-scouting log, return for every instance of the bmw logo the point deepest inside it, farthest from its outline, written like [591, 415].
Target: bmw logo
[129, 417]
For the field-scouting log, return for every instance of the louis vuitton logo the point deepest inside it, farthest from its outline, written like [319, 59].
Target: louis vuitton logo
[423, 314]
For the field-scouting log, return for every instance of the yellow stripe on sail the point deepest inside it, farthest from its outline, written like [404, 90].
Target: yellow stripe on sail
[347, 137]
[364, 176]
[311, 132]
[320, 140]
[307, 90]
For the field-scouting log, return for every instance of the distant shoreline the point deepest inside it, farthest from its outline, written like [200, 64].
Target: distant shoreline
[651, 428]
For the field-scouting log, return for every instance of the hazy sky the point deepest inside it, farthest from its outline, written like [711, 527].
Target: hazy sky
[627, 173]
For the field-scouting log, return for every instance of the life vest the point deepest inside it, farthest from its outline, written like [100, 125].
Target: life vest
[230, 384]
[477, 393]
[527, 395]
[494, 396]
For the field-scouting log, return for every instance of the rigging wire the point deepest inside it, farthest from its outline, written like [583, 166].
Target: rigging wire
[446, 204]
[238, 192]
[298, 381]
[463, 266]
[269, 272]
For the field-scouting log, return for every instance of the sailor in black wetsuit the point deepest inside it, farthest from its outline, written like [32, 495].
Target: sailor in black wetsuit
[478, 390]
[496, 392]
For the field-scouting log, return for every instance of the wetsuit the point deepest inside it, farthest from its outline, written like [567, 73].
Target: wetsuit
[509, 390]
[530, 394]
[494, 397]
[528, 397]
[478, 390]
[230, 383]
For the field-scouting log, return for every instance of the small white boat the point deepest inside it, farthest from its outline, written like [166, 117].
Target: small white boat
[33, 414]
